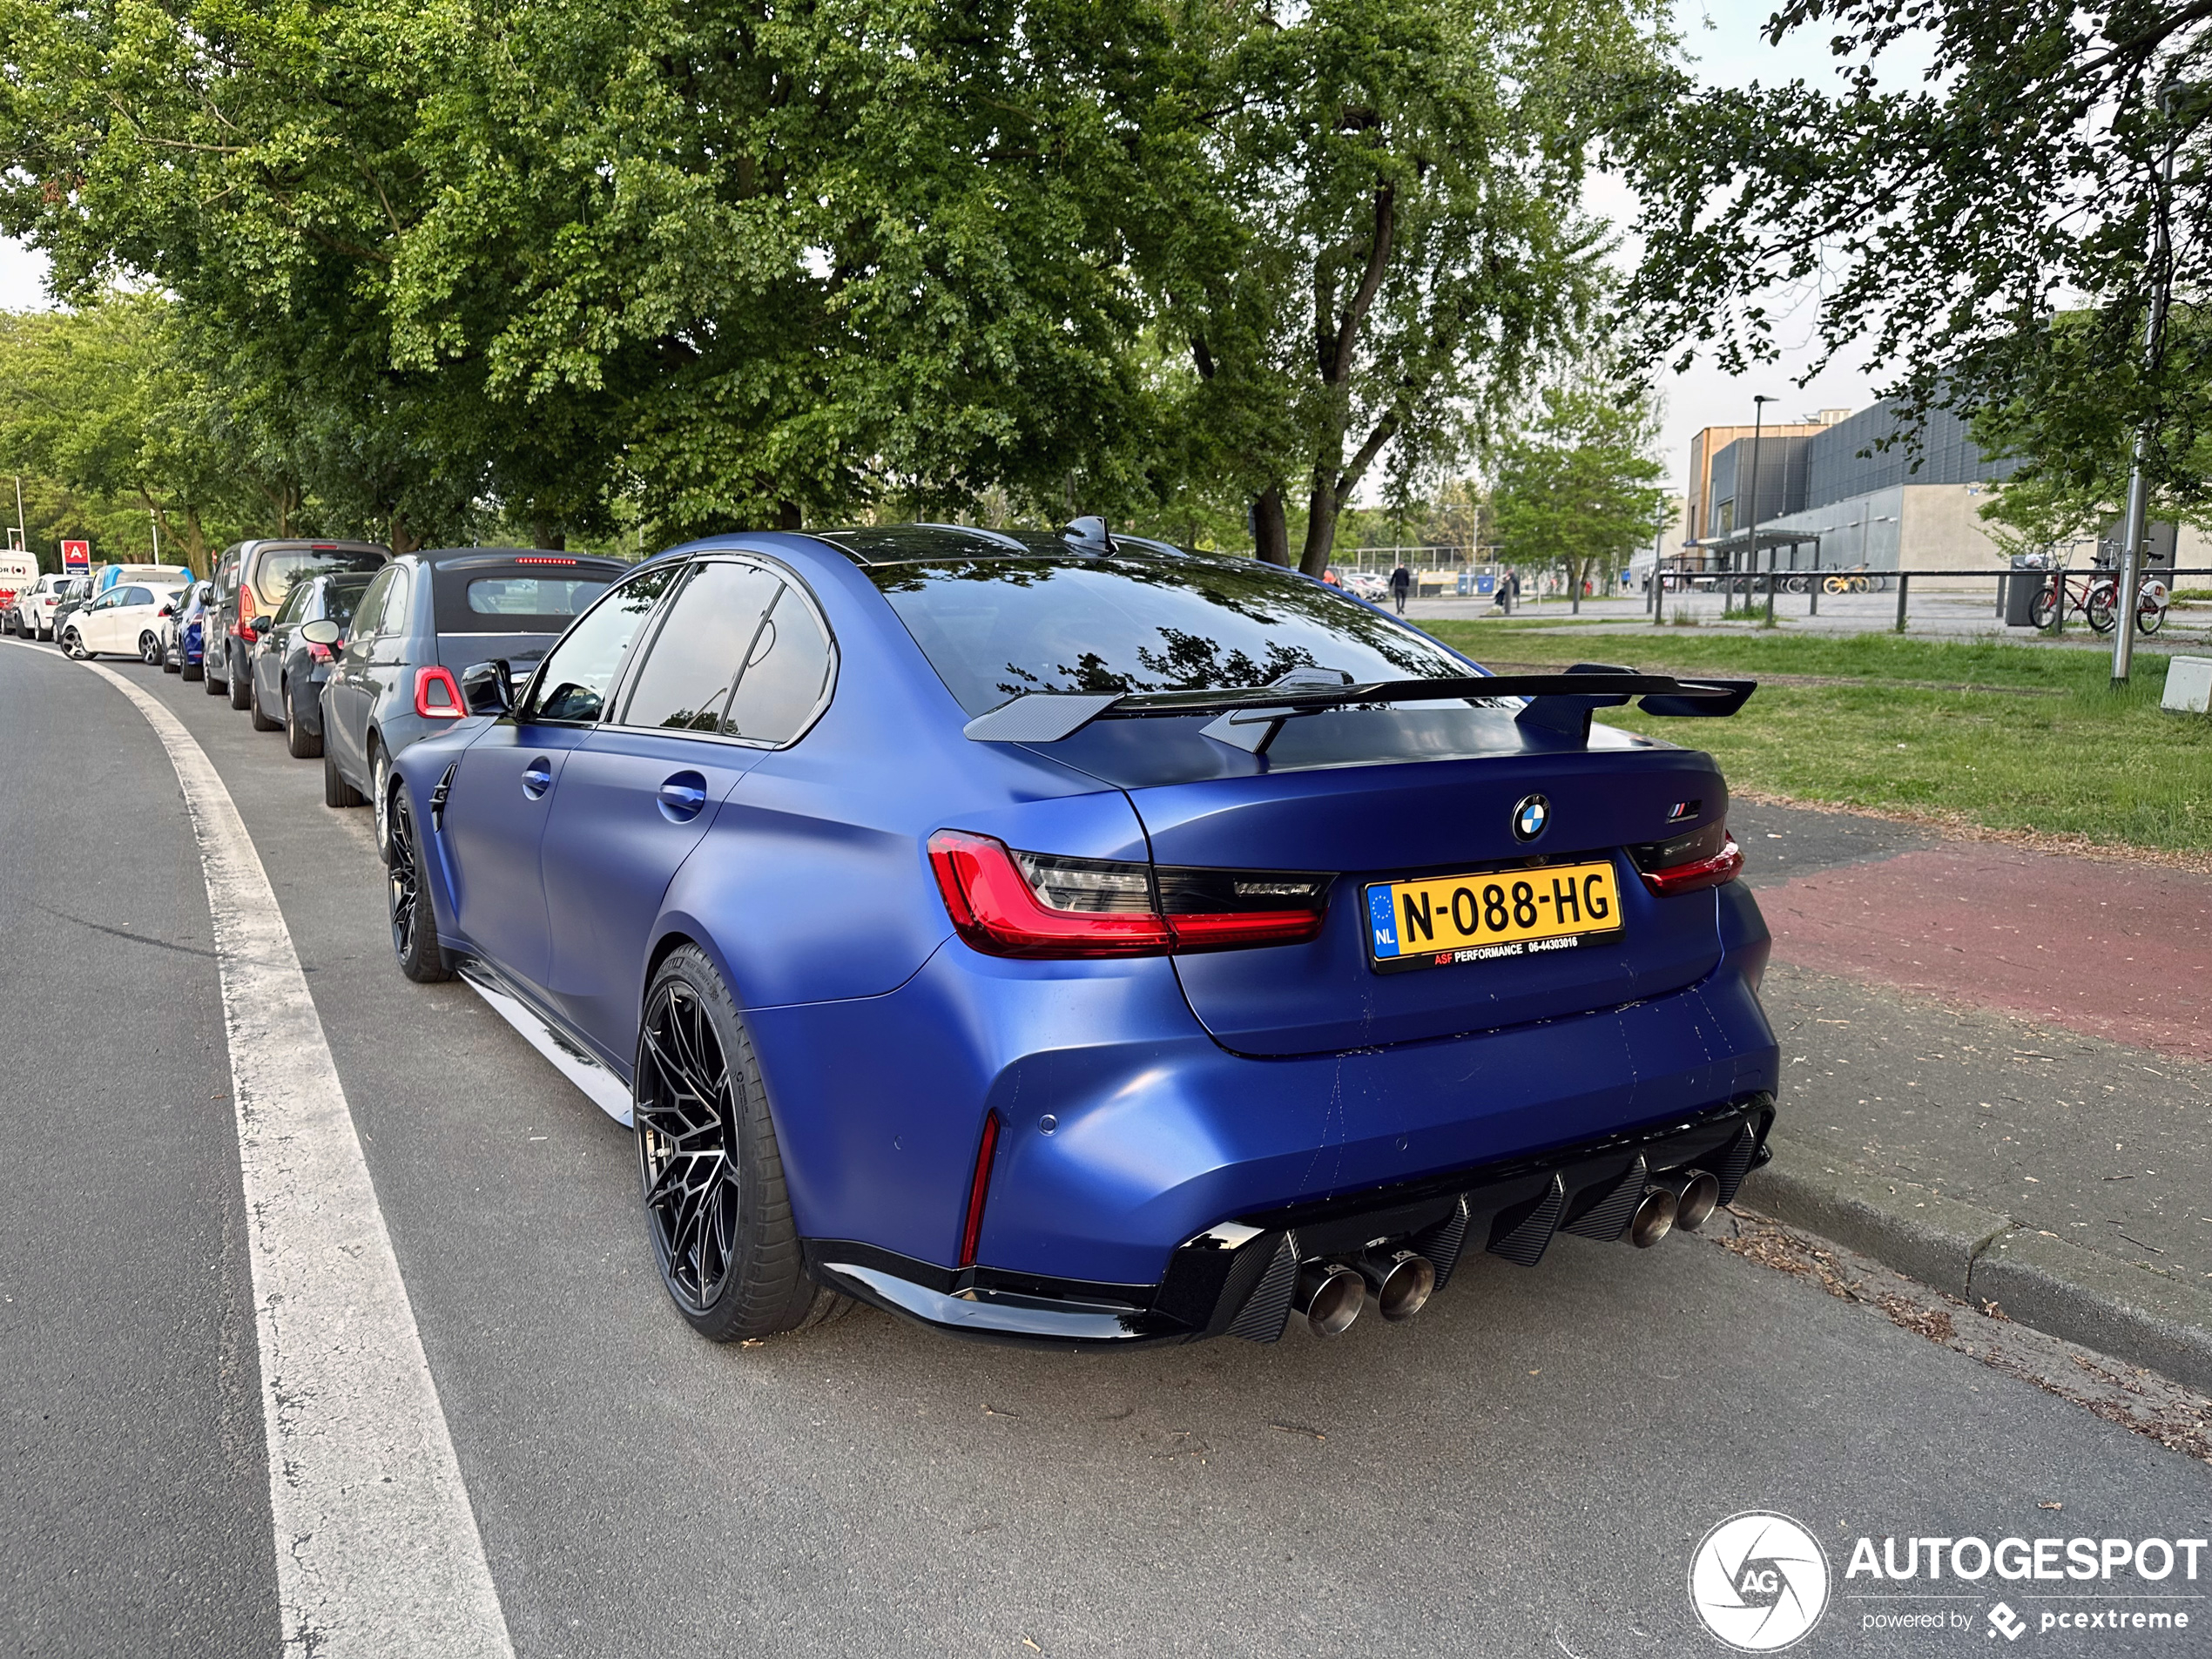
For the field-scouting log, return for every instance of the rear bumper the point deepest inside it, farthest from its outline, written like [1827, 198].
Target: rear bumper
[1236, 1277]
[1126, 1132]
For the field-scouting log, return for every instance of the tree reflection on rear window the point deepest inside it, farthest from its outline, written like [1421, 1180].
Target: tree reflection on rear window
[994, 629]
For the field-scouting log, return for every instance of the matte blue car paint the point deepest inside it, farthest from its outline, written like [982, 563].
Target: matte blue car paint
[883, 1039]
[1159, 1132]
[608, 855]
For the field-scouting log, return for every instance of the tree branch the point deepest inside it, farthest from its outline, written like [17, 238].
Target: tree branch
[1338, 369]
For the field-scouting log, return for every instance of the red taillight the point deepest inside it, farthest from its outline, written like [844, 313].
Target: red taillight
[243, 628]
[436, 695]
[1705, 858]
[1030, 905]
[538, 558]
[978, 1189]
[321, 653]
[995, 910]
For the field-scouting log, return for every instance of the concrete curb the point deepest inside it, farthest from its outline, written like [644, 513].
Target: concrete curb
[1979, 1256]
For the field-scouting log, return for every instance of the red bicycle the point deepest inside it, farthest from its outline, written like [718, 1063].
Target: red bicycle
[2094, 596]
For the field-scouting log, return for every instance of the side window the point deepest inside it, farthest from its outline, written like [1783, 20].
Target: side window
[391, 618]
[140, 596]
[573, 683]
[695, 654]
[785, 674]
[294, 603]
[378, 591]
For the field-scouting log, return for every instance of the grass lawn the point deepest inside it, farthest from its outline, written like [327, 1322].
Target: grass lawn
[2006, 736]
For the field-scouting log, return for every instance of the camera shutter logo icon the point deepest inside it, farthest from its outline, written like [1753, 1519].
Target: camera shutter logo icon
[1759, 1581]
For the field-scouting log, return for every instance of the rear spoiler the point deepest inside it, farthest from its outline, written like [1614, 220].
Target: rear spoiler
[1559, 704]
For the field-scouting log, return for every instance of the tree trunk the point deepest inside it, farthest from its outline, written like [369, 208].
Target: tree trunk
[545, 535]
[402, 540]
[195, 542]
[1270, 534]
[1323, 507]
[788, 517]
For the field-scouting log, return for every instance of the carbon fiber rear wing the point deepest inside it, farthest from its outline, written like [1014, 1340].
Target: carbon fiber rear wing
[1557, 705]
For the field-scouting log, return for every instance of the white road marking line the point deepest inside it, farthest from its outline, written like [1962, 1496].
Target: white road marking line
[377, 1551]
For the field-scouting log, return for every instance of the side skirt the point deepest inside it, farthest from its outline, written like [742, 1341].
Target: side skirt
[566, 1056]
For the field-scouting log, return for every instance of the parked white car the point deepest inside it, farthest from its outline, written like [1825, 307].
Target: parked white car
[33, 615]
[126, 619]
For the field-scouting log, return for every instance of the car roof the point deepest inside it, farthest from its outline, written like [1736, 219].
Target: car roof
[466, 558]
[903, 543]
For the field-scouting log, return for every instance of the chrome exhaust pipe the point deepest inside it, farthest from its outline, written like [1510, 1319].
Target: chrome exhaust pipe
[1697, 1194]
[1399, 1281]
[1654, 1219]
[1329, 1295]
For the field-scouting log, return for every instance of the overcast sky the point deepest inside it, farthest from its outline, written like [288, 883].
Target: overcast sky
[1724, 37]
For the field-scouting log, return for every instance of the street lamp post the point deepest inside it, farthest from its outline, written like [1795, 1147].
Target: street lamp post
[1758, 419]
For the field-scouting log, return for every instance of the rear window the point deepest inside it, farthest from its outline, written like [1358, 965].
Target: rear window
[994, 629]
[284, 566]
[515, 601]
[531, 596]
[340, 597]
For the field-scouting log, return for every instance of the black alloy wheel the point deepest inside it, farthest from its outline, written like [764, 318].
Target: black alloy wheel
[414, 927]
[683, 1109]
[716, 1204]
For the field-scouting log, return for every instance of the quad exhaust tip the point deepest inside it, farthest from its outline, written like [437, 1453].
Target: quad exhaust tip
[1330, 1296]
[1654, 1219]
[1697, 1194]
[1399, 1282]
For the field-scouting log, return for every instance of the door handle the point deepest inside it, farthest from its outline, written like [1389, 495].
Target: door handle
[537, 777]
[683, 797]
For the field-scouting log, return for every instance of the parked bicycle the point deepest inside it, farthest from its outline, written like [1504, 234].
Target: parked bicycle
[2094, 597]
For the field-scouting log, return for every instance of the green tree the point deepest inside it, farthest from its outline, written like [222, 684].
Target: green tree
[104, 402]
[1578, 486]
[1941, 224]
[1375, 240]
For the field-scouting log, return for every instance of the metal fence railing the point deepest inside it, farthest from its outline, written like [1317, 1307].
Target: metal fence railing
[1751, 586]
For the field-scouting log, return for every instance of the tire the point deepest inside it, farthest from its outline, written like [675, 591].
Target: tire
[149, 649]
[2039, 613]
[2100, 609]
[414, 924]
[336, 792]
[261, 722]
[73, 645]
[302, 744]
[716, 1210]
[192, 671]
[379, 793]
[240, 685]
[213, 686]
[2149, 619]
[171, 663]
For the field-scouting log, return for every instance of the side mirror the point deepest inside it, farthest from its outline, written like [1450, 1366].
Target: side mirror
[321, 632]
[486, 688]
[167, 610]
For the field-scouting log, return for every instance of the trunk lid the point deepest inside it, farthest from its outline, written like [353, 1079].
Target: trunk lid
[1312, 809]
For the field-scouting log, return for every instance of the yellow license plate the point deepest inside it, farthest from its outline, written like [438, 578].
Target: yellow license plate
[1474, 918]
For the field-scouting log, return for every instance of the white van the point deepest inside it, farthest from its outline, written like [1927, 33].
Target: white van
[17, 572]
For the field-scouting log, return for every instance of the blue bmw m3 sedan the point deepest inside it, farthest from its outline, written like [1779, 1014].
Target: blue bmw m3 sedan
[1072, 939]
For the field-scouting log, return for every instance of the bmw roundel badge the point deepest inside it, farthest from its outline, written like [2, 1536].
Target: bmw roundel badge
[1529, 818]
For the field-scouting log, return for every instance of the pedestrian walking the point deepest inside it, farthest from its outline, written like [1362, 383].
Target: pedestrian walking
[1402, 584]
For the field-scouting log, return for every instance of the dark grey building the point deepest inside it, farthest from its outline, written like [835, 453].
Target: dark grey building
[1783, 468]
[1946, 454]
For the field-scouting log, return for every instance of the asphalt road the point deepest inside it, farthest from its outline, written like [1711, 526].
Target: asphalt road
[1523, 1470]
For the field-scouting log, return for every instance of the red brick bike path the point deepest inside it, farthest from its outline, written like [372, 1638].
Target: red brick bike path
[2118, 951]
